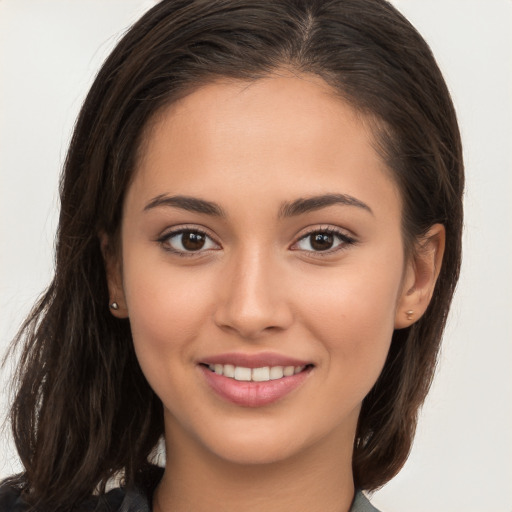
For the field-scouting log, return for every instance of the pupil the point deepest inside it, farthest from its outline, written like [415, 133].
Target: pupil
[192, 241]
[322, 241]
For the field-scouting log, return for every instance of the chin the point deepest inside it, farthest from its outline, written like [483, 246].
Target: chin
[261, 441]
[257, 452]
[254, 457]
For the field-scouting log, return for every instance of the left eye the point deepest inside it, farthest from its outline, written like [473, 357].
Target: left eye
[319, 241]
[189, 240]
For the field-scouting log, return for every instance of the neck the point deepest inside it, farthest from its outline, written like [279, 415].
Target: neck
[320, 479]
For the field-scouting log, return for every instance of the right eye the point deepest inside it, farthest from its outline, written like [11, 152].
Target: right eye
[187, 242]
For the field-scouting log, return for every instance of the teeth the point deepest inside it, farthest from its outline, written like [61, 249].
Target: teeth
[229, 370]
[262, 374]
[289, 370]
[276, 372]
[242, 373]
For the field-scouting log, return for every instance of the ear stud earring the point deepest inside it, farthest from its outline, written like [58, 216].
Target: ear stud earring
[409, 314]
[114, 306]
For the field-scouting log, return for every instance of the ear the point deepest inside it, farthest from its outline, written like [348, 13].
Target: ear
[114, 274]
[420, 277]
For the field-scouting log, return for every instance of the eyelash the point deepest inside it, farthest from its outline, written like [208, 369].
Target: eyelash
[164, 241]
[344, 241]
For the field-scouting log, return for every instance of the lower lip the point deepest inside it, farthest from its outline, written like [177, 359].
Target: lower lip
[253, 394]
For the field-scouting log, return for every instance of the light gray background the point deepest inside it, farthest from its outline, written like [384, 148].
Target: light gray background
[462, 457]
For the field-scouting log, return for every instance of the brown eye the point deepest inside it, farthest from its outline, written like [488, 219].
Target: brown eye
[321, 241]
[187, 241]
[192, 240]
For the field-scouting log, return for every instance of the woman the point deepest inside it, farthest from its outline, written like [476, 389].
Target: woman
[258, 245]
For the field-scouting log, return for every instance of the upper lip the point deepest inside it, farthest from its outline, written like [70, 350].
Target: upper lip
[258, 360]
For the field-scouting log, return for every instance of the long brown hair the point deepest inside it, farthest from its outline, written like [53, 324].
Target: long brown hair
[83, 411]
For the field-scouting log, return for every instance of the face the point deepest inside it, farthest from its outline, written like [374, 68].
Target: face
[262, 267]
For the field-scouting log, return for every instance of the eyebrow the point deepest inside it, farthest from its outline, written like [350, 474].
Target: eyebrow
[309, 204]
[191, 204]
[291, 209]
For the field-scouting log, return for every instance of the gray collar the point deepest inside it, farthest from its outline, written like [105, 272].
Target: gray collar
[362, 504]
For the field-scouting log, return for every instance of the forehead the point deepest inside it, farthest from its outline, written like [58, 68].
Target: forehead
[290, 132]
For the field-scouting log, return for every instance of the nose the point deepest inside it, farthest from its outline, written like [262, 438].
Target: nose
[252, 297]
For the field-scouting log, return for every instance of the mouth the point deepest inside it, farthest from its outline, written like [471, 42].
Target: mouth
[249, 382]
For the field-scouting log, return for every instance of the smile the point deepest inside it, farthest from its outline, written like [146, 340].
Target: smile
[254, 381]
[262, 374]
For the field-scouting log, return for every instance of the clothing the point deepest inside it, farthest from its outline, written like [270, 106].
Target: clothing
[121, 500]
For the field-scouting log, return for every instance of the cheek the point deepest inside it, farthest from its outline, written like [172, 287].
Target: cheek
[352, 315]
[353, 326]
[166, 310]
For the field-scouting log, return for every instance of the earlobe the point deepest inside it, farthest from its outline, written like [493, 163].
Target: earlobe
[420, 277]
[113, 272]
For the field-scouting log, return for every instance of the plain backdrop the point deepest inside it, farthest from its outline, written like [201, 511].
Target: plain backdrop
[50, 51]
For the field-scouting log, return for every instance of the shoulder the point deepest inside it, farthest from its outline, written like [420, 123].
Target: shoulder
[120, 499]
[10, 497]
[362, 504]
[116, 500]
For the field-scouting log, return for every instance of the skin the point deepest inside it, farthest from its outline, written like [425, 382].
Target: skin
[258, 286]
